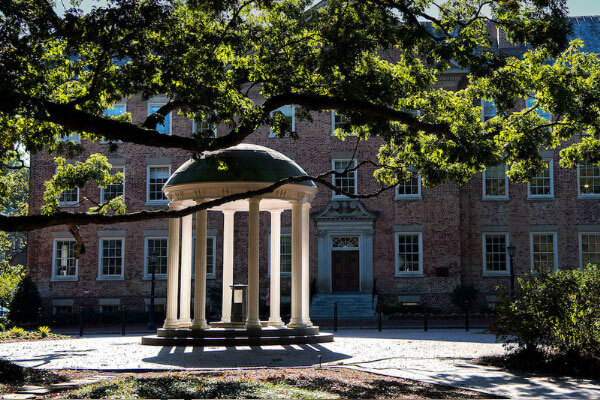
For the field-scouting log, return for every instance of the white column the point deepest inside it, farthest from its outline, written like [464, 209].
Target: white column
[253, 260]
[185, 297]
[172, 274]
[228, 217]
[200, 272]
[296, 319]
[305, 264]
[275, 289]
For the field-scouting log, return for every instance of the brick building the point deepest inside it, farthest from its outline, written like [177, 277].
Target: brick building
[415, 243]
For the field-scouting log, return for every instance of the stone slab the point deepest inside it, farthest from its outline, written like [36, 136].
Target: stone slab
[18, 396]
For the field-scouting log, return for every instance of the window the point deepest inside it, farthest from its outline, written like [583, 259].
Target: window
[204, 129]
[409, 188]
[409, 255]
[165, 127]
[338, 121]
[112, 191]
[495, 182]
[157, 176]
[543, 252]
[345, 181]
[588, 176]
[160, 247]
[210, 256]
[542, 185]
[531, 102]
[75, 138]
[488, 110]
[64, 266]
[495, 259]
[285, 254]
[110, 256]
[109, 308]
[63, 309]
[114, 111]
[344, 242]
[69, 198]
[589, 249]
[289, 113]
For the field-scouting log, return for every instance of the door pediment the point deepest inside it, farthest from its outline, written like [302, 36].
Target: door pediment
[345, 210]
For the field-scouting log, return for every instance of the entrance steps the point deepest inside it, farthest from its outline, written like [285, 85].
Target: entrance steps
[350, 306]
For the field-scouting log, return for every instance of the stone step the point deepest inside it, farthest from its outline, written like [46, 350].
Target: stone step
[236, 341]
[18, 396]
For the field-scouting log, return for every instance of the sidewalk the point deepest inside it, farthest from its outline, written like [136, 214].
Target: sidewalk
[440, 356]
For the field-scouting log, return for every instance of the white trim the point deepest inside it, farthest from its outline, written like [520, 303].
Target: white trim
[271, 132]
[334, 195]
[62, 278]
[398, 196]
[333, 113]
[282, 274]
[154, 202]
[506, 272]
[122, 167]
[583, 195]
[124, 104]
[69, 203]
[580, 235]
[101, 276]
[554, 247]
[398, 273]
[146, 275]
[149, 112]
[544, 196]
[195, 128]
[488, 197]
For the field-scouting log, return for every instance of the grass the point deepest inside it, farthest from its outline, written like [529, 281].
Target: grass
[12, 376]
[20, 334]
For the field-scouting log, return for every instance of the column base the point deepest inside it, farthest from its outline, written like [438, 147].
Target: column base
[185, 323]
[253, 324]
[296, 323]
[200, 326]
[171, 324]
[275, 322]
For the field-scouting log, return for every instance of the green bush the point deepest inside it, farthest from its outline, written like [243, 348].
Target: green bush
[464, 297]
[25, 304]
[555, 313]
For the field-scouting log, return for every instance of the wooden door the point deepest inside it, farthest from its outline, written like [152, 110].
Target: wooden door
[345, 271]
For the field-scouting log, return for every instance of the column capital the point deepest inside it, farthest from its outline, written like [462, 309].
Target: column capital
[296, 202]
[276, 211]
[254, 200]
[228, 212]
[306, 205]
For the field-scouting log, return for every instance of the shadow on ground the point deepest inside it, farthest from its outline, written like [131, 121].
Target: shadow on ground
[246, 356]
[474, 336]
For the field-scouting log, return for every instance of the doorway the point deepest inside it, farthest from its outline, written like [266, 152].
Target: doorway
[345, 270]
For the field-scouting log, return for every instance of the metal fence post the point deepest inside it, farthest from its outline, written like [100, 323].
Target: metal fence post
[426, 319]
[80, 321]
[123, 320]
[335, 317]
[379, 316]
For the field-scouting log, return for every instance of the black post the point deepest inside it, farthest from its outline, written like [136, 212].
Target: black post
[123, 320]
[335, 321]
[426, 319]
[80, 321]
[512, 276]
[152, 262]
[379, 312]
[467, 321]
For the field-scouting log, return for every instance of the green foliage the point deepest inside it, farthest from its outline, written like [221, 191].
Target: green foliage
[10, 277]
[464, 296]
[553, 312]
[16, 332]
[25, 304]
[44, 331]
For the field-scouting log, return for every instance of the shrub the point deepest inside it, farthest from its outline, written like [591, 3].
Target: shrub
[25, 303]
[463, 297]
[16, 332]
[44, 331]
[554, 313]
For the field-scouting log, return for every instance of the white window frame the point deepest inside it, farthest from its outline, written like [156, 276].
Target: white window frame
[154, 202]
[195, 128]
[416, 196]
[489, 197]
[101, 276]
[281, 273]
[124, 105]
[69, 203]
[544, 196]
[335, 195]
[333, 114]
[584, 195]
[271, 132]
[55, 277]
[397, 272]
[170, 115]
[122, 167]
[146, 274]
[483, 115]
[581, 266]
[554, 247]
[487, 272]
[212, 275]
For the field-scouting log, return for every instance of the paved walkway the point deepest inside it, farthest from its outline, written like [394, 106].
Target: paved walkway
[436, 356]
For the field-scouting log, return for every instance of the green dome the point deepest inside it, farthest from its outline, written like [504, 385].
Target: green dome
[241, 163]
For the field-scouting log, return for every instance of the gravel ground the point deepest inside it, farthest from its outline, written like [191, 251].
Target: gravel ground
[436, 356]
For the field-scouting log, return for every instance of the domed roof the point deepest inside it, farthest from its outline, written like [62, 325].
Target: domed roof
[241, 163]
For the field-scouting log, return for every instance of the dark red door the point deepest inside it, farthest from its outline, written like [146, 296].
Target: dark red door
[345, 271]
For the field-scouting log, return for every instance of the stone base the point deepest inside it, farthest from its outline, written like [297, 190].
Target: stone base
[238, 337]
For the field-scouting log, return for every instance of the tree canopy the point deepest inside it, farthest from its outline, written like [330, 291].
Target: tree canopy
[376, 62]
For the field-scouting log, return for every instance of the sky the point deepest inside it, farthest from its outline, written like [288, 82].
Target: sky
[576, 7]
